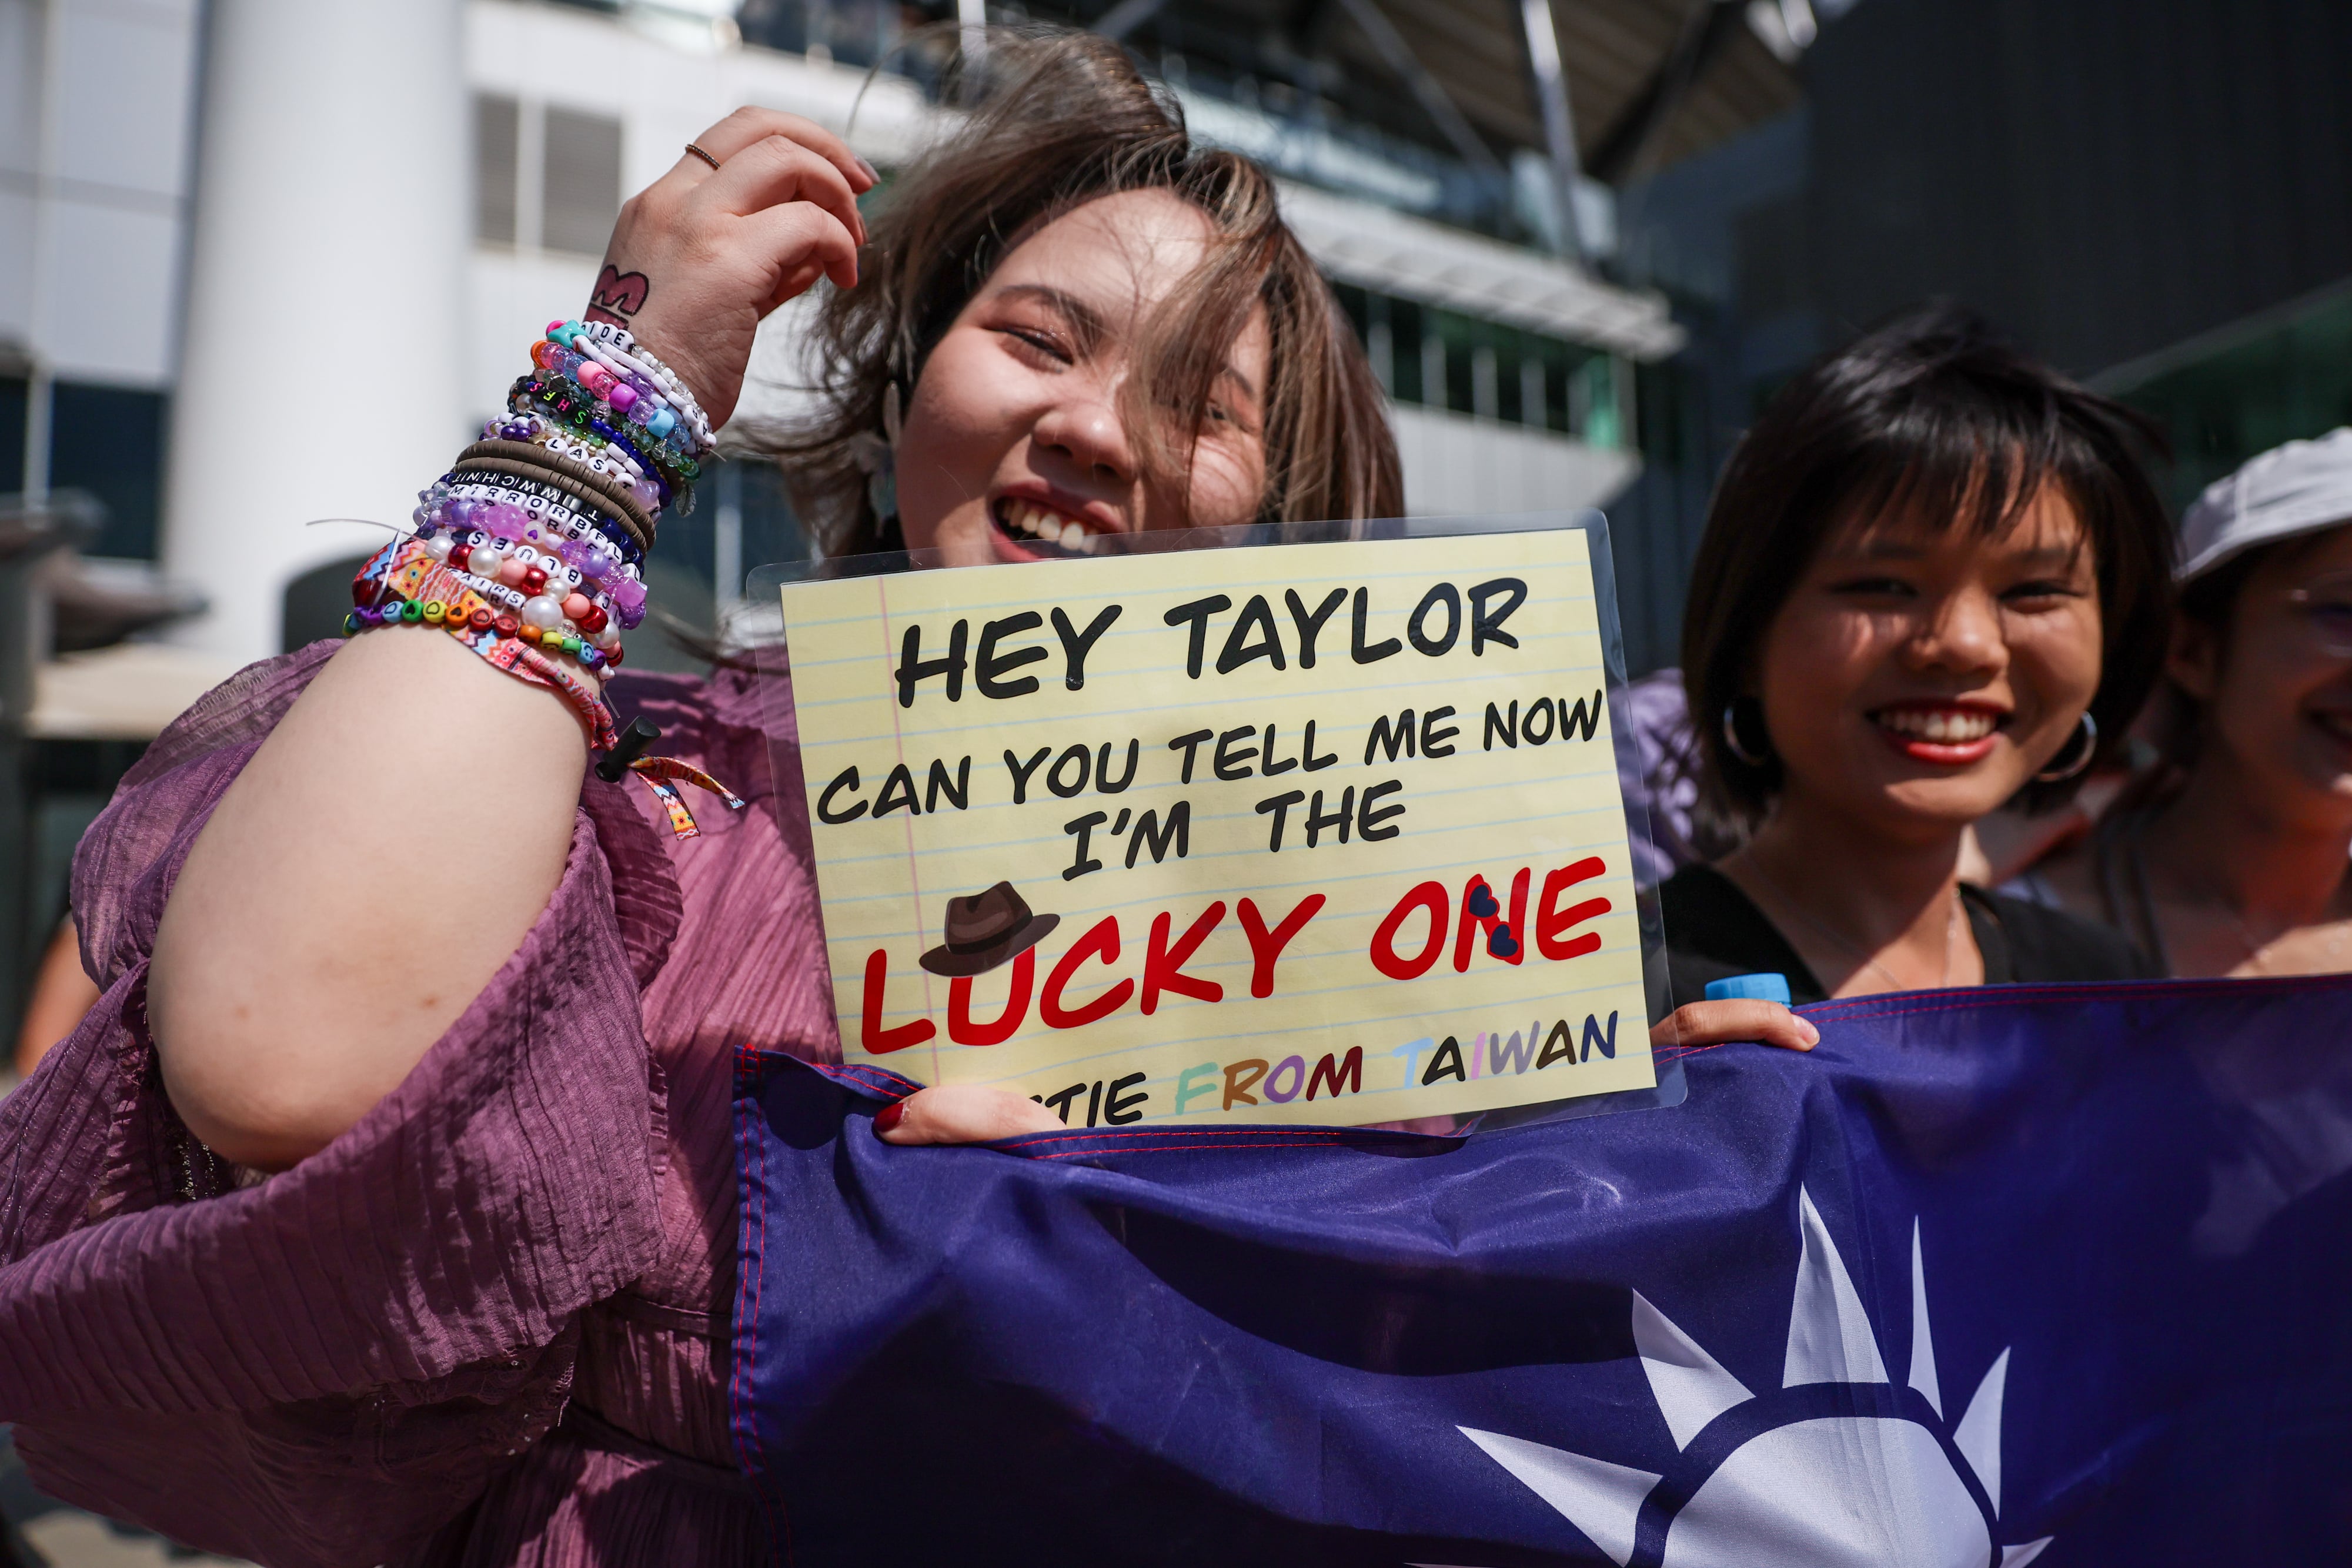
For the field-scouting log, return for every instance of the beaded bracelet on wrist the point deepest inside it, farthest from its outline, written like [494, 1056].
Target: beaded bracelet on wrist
[397, 575]
[555, 397]
[608, 364]
[405, 585]
[599, 604]
[620, 361]
[606, 491]
[526, 462]
[565, 620]
[554, 501]
[585, 446]
[519, 580]
[598, 553]
[574, 556]
[566, 410]
[522, 510]
[630, 399]
[538, 430]
[617, 346]
[590, 559]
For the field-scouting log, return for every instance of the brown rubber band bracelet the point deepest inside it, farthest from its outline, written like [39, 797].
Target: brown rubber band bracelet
[597, 488]
[578, 477]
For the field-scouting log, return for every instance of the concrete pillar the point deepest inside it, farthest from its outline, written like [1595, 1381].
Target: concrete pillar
[320, 372]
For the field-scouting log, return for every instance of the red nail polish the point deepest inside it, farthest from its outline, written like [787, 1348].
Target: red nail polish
[889, 1116]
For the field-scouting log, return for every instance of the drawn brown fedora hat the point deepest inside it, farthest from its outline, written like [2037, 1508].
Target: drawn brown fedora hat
[986, 929]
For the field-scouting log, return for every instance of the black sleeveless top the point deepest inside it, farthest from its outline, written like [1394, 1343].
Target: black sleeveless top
[1714, 931]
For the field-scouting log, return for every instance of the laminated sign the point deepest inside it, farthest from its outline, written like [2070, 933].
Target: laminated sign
[1316, 833]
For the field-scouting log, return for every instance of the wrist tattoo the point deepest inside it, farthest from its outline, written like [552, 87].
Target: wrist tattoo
[617, 296]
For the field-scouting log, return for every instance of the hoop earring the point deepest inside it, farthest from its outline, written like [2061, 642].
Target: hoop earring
[1731, 741]
[2089, 745]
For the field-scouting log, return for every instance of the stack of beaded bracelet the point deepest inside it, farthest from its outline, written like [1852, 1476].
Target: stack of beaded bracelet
[595, 381]
[531, 551]
[403, 584]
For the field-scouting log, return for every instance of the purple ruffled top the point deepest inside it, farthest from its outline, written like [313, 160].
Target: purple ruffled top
[488, 1324]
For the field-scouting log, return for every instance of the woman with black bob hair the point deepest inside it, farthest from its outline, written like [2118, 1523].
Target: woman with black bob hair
[1934, 579]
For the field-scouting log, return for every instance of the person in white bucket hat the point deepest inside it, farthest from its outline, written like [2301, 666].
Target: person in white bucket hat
[2230, 856]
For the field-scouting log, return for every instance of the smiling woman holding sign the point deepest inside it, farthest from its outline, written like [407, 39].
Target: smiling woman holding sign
[383, 1209]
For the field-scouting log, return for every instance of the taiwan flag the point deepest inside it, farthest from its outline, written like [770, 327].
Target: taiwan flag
[2058, 1275]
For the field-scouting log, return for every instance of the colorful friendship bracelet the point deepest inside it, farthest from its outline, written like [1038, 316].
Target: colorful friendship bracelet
[612, 366]
[612, 377]
[525, 510]
[586, 546]
[417, 580]
[536, 562]
[629, 388]
[559, 401]
[558, 508]
[570, 409]
[603, 491]
[587, 446]
[599, 454]
[405, 586]
[619, 349]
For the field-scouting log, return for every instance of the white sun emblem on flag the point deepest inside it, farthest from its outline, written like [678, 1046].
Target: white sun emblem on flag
[1838, 1469]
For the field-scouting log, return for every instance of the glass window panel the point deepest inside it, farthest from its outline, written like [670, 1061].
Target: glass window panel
[582, 194]
[2279, 381]
[1601, 424]
[1461, 393]
[1406, 328]
[11, 434]
[108, 441]
[498, 131]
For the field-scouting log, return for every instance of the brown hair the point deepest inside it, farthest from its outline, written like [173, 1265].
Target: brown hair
[1936, 414]
[1064, 119]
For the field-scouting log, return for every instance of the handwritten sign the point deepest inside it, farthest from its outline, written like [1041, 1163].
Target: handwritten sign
[1325, 833]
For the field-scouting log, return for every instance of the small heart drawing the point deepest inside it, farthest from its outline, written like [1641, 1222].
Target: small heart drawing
[1482, 903]
[1501, 943]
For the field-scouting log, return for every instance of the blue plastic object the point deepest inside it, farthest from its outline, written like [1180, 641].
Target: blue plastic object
[1756, 987]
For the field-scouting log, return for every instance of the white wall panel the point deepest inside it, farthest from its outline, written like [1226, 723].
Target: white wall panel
[107, 307]
[16, 266]
[123, 119]
[20, 86]
[1455, 464]
[510, 298]
[89, 275]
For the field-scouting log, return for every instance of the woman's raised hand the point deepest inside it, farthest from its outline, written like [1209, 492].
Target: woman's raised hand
[701, 255]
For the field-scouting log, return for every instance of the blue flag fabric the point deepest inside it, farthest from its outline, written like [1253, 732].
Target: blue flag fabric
[2047, 1274]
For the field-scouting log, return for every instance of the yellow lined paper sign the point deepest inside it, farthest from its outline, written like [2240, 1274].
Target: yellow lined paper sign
[1327, 832]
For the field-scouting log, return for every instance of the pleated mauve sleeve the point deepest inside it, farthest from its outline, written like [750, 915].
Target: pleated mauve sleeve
[324, 1365]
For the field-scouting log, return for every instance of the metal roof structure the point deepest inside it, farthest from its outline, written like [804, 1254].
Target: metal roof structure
[1393, 253]
[1649, 81]
[1442, 151]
